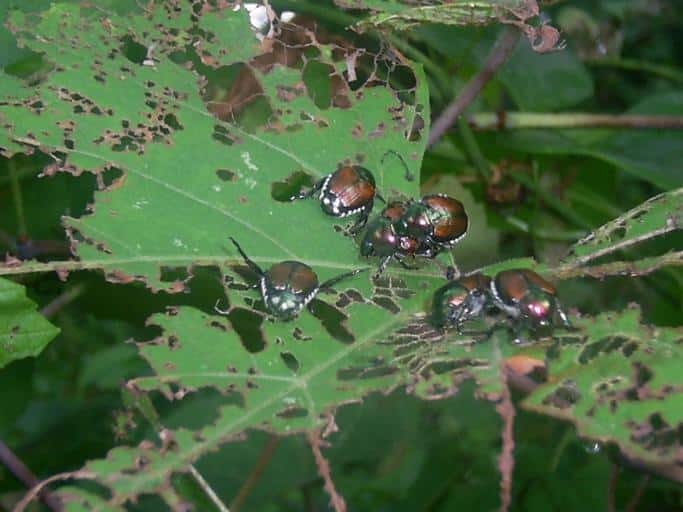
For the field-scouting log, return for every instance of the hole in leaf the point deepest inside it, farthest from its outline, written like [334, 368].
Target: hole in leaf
[291, 186]
[172, 122]
[290, 361]
[299, 335]
[317, 78]
[132, 50]
[173, 274]
[110, 176]
[222, 135]
[293, 412]
[332, 320]
[226, 175]
[387, 303]
[247, 324]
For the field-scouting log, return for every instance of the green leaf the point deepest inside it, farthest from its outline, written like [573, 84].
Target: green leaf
[545, 82]
[152, 124]
[399, 16]
[620, 381]
[23, 332]
[659, 215]
[655, 156]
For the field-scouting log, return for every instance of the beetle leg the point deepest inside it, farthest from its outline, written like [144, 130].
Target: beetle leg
[309, 193]
[220, 311]
[564, 318]
[383, 265]
[409, 175]
[253, 266]
[361, 221]
[330, 282]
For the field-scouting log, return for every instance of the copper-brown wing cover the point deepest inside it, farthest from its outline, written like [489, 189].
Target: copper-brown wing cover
[351, 186]
[294, 273]
[394, 211]
[452, 219]
[512, 285]
[475, 281]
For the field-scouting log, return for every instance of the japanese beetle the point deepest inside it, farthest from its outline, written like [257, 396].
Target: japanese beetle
[380, 239]
[437, 220]
[287, 287]
[348, 191]
[460, 300]
[528, 299]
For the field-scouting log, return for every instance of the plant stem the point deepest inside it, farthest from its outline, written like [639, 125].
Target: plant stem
[324, 471]
[527, 120]
[472, 149]
[18, 198]
[637, 65]
[208, 490]
[26, 476]
[499, 54]
[62, 300]
[68, 475]
[260, 466]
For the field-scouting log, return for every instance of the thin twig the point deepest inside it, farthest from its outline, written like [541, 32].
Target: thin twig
[69, 475]
[62, 300]
[506, 460]
[635, 501]
[499, 54]
[260, 466]
[208, 490]
[26, 476]
[530, 120]
[324, 471]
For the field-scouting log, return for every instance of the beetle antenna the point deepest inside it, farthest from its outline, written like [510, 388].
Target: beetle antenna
[330, 282]
[409, 175]
[247, 260]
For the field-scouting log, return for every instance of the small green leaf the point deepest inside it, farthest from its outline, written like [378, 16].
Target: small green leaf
[23, 331]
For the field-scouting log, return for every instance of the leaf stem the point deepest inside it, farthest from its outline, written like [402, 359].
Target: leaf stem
[261, 464]
[68, 475]
[208, 490]
[18, 198]
[499, 54]
[498, 121]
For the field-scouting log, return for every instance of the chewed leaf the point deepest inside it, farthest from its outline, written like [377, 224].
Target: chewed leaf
[659, 215]
[23, 331]
[620, 382]
[198, 156]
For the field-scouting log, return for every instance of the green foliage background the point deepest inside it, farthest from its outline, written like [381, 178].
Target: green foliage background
[121, 160]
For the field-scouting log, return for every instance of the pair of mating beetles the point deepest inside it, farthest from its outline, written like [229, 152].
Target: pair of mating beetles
[411, 228]
[524, 296]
